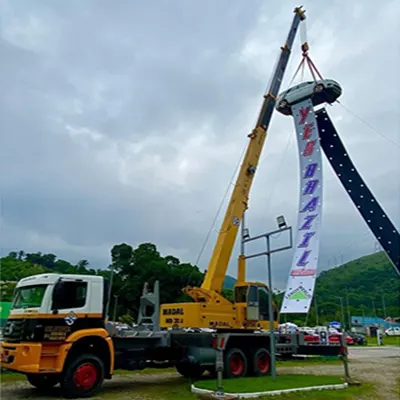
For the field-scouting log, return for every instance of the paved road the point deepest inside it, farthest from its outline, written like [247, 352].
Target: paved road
[374, 352]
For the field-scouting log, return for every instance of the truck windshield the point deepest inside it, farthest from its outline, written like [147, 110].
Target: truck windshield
[29, 296]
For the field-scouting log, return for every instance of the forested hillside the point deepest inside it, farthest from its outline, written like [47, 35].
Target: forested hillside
[366, 284]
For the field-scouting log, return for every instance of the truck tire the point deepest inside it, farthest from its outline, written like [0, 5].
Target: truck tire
[43, 381]
[82, 377]
[188, 370]
[235, 363]
[261, 362]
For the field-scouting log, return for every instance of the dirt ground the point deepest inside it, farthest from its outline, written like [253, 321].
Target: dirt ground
[380, 365]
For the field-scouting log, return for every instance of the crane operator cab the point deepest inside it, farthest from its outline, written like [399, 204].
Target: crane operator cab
[253, 298]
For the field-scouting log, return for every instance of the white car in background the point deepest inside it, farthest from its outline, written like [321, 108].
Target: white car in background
[392, 331]
[322, 91]
[307, 330]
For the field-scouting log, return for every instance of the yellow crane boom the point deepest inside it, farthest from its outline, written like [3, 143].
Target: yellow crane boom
[221, 255]
[210, 308]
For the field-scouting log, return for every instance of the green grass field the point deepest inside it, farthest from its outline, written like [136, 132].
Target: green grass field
[387, 341]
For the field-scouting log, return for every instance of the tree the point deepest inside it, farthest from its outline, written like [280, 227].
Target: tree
[13, 254]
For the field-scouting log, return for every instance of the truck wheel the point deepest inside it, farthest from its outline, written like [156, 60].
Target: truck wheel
[43, 381]
[235, 363]
[261, 362]
[82, 377]
[188, 370]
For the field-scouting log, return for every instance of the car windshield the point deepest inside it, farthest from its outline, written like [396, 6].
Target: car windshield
[29, 296]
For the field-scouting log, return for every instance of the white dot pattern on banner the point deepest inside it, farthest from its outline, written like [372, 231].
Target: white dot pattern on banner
[358, 191]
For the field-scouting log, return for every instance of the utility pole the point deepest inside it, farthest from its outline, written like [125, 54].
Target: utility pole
[342, 311]
[316, 311]
[109, 292]
[348, 309]
[115, 307]
[282, 227]
[384, 306]
[373, 308]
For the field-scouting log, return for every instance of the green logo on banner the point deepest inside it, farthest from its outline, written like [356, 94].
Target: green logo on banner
[299, 294]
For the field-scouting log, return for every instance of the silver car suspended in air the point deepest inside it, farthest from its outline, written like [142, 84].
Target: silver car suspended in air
[321, 91]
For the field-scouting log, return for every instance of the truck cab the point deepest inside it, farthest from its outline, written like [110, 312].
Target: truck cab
[55, 332]
[50, 306]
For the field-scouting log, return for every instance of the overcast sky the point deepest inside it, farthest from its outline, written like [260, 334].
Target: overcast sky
[124, 121]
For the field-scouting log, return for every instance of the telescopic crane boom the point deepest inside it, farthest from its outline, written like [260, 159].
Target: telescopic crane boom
[218, 265]
[210, 290]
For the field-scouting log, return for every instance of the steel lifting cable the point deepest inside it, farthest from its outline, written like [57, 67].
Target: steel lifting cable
[306, 58]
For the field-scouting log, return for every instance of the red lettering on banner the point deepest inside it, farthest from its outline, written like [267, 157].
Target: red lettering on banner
[303, 114]
[309, 148]
[307, 130]
[303, 272]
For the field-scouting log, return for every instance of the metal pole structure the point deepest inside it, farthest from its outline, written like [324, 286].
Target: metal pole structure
[115, 307]
[268, 253]
[384, 306]
[341, 312]
[373, 308]
[220, 370]
[316, 311]
[342, 307]
[348, 309]
[109, 294]
[270, 311]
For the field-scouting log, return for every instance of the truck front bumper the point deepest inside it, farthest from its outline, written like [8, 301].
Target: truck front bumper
[31, 358]
[21, 357]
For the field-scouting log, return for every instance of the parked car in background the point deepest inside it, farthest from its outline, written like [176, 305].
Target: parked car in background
[335, 338]
[395, 331]
[358, 338]
[307, 330]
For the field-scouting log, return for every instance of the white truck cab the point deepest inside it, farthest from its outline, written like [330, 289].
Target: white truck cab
[54, 299]
[57, 293]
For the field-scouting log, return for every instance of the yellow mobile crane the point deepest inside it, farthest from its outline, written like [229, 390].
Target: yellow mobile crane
[56, 332]
[250, 308]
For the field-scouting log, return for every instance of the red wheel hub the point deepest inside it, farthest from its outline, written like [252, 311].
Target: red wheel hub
[85, 376]
[263, 363]
[236, 364]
